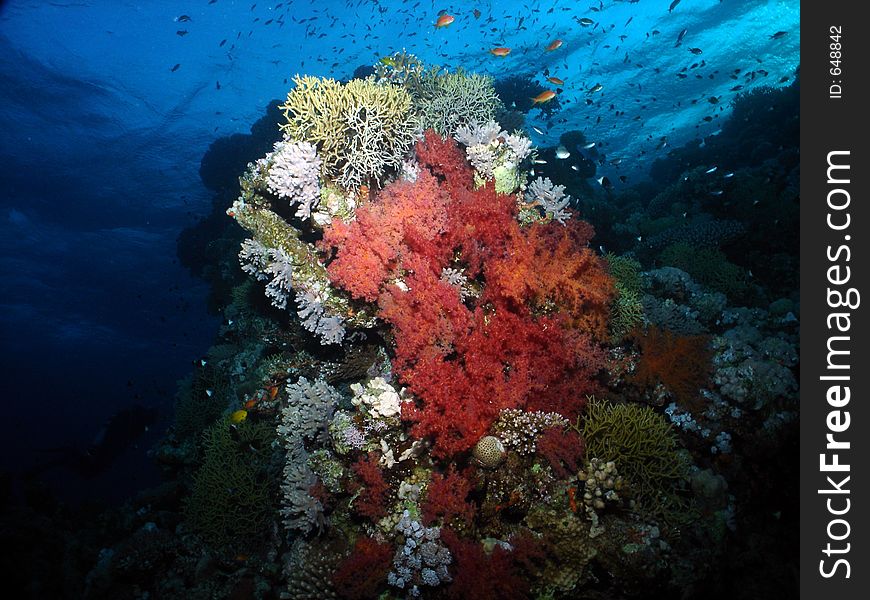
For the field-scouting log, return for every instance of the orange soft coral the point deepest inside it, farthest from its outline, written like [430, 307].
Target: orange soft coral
[681, 363]
[550, 269]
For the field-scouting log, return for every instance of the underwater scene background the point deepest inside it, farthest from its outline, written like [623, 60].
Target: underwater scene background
[370, 299]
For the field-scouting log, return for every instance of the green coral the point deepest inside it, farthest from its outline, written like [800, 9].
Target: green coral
[232, 501]
[452, 100]
[709, 267]
[362, 129]
[626, 312]
[644, 447]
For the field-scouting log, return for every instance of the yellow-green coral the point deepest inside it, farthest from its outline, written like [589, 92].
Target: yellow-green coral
[361, 129]
[644, 447]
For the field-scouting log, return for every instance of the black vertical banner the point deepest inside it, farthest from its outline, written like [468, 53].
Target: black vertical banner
[835, 368]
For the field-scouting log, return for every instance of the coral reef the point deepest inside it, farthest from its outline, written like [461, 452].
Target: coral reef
[411, 376]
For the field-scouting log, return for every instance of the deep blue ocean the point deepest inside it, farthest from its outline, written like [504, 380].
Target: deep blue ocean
[107, 109]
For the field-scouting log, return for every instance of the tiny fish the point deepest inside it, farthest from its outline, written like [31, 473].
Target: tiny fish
[500, 51]
[737, 88]
[728, 175]
[575, 167]
[695, 51]
[182, 19]
[605, 183]
[209, 393]
[562, 152]
[673, 5]
[713, 100]
[544, 96]
[555, 81]
[181, 32]
[595, 88]
[175, 68]
[554, 45]
[239, 416]
[203, 362]
[680, 37]
[586, 22]
[444, 20]
[476, 13]
[717, 193]
[589, 146]
[538, 131]
[539, 161]
[778, 35]
[223, 41]
[711, 170]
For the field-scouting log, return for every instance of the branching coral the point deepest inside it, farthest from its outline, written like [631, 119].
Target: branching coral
[542, 196]
[452, 100]
[643, 446]
[362, 129]
[294, 175]
[305, 418]
[627, 310]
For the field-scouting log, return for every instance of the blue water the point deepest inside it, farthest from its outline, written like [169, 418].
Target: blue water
[106, 109]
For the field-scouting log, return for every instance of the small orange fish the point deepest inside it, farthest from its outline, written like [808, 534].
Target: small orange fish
[273, 392]
[500, 51]
[554, 45]
[250, 404]
[544, 96]
[444, 20]
[555, 81]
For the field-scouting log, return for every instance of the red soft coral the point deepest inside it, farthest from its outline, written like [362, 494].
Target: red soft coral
[527, 340]
[405, 216]
[562, 449]
[361, 575]
[371, 500]
[477, 575]
[447, 499]
[445, 158]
